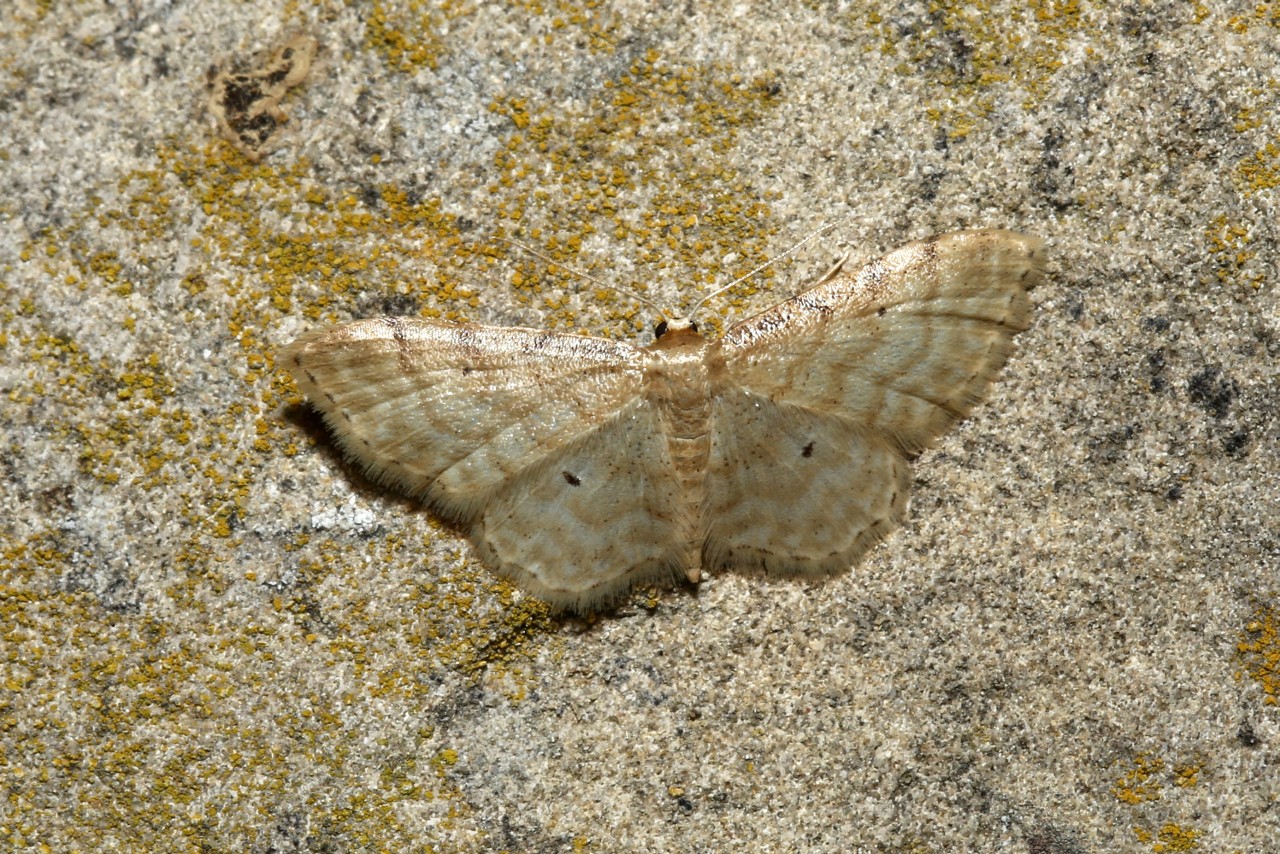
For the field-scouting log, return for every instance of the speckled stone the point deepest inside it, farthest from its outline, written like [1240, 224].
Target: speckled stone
[217, 636]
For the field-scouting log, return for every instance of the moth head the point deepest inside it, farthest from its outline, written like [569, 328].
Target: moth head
[666, 327]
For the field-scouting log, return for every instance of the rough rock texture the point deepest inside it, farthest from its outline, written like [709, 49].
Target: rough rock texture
[217, 636]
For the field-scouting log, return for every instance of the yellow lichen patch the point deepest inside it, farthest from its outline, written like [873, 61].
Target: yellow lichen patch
[1140, 782]
[589, 20]
[1262, 15]
[659, 132]
[170, 707]
[347, 249]
[125, 677]
[1168, 839]
[1143, 782]
[1259, 171]
[406, 33]
[1230, 245]
[1246, 119]
[144, 379]
[1186, 775]
[442, 623]
[1259, 651]
[168, 690]
[969, 47]
[144, 429]
[181, 723]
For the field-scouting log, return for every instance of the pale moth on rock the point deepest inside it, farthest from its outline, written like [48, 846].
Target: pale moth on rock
[580, 467]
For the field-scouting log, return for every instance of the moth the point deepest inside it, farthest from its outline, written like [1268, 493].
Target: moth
[579, 467]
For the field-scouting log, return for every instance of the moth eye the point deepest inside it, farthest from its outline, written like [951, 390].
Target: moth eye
[661, 329]
[693, 324]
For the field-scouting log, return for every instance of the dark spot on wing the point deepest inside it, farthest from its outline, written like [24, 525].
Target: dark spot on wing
[807, 451]
[571, 478]
[880, 311]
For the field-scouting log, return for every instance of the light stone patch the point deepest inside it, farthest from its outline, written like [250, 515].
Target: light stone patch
[580, 467]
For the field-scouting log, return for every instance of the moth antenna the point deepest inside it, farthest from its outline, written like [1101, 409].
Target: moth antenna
[832, 271]
[767, 264]
[585, 275]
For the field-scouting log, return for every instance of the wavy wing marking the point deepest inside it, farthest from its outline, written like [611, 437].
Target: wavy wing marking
[450, 412]
[906, 345]
[594, 518]
[795, 492]
[826, 396]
